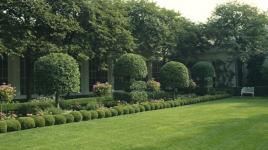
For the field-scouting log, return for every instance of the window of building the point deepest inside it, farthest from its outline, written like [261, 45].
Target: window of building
[3, 70]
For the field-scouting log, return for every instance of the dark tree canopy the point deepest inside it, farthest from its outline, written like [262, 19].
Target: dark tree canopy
[239, 29]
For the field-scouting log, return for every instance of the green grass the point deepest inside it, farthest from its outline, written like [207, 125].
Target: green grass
[230, 124]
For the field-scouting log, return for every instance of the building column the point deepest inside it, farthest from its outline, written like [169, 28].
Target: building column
[14, 73]
[85, 78]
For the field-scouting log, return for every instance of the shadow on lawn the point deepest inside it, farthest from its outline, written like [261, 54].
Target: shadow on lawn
[238, 133]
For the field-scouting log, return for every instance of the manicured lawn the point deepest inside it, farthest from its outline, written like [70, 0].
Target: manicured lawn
[230, 124]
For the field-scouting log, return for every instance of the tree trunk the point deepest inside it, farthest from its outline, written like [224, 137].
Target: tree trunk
[150, 69]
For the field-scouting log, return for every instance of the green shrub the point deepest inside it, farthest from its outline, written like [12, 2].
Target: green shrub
[39, 121]
[3, 127]
[102, 89]
[131, 109]
[57, 73]
[136, 108]
[147, 106]
[138, 86]
[60, 119]
[94, 114]
[13, 125]
[7, 93]
[53, 111]
[174, 75]
[26, 123]
[86, 115]
[121, 96]
[92, 106]
[83, 102]
[203, 73]
[162, 105]
[69, 118]
[153, 86]
[142, 108]
[101, 113]
[130, 67]
[125, 110]
[156, 95]
[157, 106]
[172, 103]
[152, 105]
[77, 116]
[203, 69]
[114, 112]
[108, 113]
[138, 96]
[119, 110]
[49, 120]
[167, 105]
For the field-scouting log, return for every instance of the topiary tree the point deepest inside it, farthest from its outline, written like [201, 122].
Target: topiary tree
[203, 73]
[130, 67]
[57, 74]
[174, 76]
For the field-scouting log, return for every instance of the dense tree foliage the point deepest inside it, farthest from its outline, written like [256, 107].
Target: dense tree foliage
[239, 29]
[106, 29]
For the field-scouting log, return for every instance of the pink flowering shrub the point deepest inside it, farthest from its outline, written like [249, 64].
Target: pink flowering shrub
[7, 93]
[102, 89]
[153, 86]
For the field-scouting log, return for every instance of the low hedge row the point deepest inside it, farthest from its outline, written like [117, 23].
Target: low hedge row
[23, 123]
[35, 106]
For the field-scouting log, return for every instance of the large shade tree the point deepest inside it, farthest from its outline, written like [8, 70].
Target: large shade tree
[32, 29]
[240, 30]
[149, 29]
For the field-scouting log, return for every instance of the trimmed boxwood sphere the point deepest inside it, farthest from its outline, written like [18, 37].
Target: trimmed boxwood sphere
[26, 122]
[94, 114]
[114, 112]
[131, 109]
[69, 118]
[147, 107]
[101, 114]
[131, 65]
[13, 125]
[39, 121]
[142, 109]
[49, 120]
[119, 110]
[108, 113]
[3, 127]
[126, 110]
[60, 119]
[86, 115]
[174, 75]
[77, 116]
[136, 108]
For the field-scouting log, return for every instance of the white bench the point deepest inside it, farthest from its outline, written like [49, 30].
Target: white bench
[247, 90]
